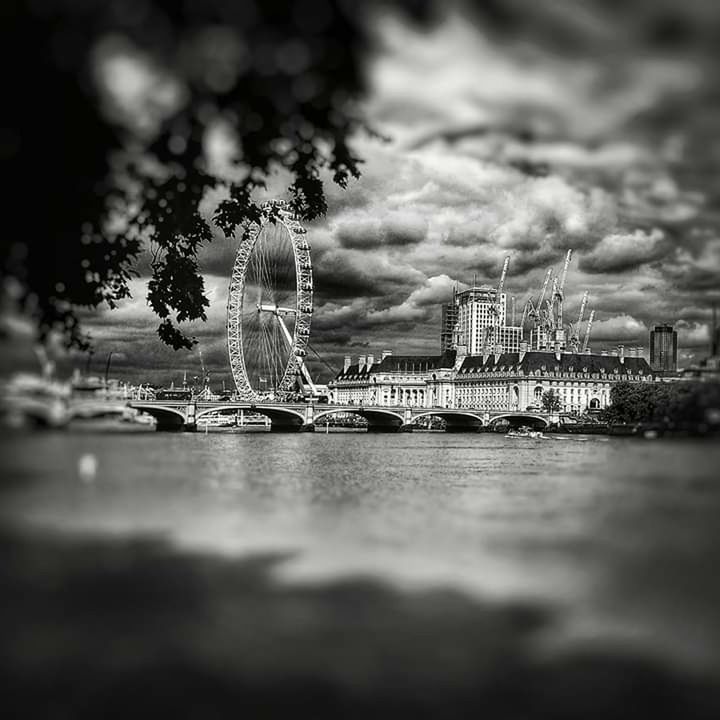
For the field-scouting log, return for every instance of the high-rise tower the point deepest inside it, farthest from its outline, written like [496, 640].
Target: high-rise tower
[663, 348]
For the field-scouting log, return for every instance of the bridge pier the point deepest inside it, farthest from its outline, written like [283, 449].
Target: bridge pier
[190, 418]
[309, 424]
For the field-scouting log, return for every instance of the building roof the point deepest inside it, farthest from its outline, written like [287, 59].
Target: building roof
[524, 363]
[401, 363]
[548, 362]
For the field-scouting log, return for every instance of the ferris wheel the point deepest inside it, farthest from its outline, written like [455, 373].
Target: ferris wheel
[270, 306]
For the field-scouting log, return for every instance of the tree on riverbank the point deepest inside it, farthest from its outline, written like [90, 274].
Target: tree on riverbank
[677, 405]
[551, 401]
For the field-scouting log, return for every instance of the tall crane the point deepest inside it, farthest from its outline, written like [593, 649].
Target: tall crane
[527, 308]
[548, 275]
[563, 276]
[503, 275]
[581, 314]
[551, 305]
[558, 293]
[536, 312]
[575, 334]
[587, 331]
[500, 288]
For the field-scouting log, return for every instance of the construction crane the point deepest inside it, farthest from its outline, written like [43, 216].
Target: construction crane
[488, 334]
[495, 309]
[587, 330]
[503, 275]
[527, 308]
[575, 334]
[563, 276]
[548, 275]
[558, 293]
[581, 314]
[550, 319]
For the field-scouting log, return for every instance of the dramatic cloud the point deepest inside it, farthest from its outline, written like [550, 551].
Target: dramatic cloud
[561, 126]
[398, 228]
[620, 253]
[693, 335]
[621, 327]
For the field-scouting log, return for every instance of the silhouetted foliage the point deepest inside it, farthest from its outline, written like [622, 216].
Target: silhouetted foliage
[96, 178]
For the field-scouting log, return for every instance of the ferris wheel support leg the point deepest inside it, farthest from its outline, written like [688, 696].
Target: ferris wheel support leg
[301, 364]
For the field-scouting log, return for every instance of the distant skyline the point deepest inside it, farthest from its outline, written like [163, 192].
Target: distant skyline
[520, 145]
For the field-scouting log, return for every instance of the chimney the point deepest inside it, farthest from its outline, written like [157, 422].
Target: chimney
[621, 354]
[361, 362]
[385, 353]
[370, 361]
[346, 363]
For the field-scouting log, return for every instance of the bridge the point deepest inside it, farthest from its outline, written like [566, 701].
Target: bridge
[303, 417]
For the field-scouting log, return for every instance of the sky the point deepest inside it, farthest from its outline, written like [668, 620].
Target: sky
[524, 132]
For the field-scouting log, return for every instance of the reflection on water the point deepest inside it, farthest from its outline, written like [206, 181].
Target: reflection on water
[492, 550]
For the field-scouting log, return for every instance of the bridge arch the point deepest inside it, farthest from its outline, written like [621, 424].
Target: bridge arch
[455, 421]
[281, 419]
[378, 420]
[279, 413]
[168, 418]
[520, 419]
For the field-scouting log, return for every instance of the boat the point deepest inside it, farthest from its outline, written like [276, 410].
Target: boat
[218, 420]
[525, 432]
[28, 399]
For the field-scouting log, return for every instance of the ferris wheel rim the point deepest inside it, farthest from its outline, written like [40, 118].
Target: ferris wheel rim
[303, 291]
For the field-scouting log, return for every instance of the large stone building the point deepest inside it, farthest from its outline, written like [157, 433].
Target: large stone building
[396, 381]
[497, 381]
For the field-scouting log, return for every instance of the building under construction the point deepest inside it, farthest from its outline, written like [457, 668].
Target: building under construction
[476, 322]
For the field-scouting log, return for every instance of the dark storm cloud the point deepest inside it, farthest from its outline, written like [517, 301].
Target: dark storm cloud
[390, 231]
[521, 129]
[700, 275]
[346, 273]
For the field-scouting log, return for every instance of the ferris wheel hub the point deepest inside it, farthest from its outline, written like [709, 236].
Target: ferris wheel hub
[275, 309]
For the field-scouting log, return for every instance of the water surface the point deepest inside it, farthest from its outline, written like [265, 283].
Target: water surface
[617, 540]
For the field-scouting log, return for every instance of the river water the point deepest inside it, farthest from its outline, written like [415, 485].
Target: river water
[603, 545]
